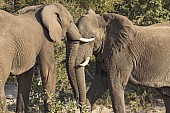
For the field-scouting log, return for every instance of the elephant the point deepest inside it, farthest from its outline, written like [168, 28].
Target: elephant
[27, 38]
[125, 53]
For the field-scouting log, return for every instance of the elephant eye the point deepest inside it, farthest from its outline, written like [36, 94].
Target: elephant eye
[92, 35]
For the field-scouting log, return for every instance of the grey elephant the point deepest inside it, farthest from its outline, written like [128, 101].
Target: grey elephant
[124, 53]
[27, 39]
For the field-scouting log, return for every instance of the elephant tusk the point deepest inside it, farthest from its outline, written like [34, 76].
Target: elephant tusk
[86, 39]
[85, 62]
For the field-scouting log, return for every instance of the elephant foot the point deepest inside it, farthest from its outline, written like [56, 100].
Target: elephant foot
[85, 107]
[88, 104]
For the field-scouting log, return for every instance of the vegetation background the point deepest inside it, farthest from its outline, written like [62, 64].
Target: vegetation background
[140, 12]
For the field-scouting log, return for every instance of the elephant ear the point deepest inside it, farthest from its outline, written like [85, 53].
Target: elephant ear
[90, 11]
[52, 21]
[28, 9]
[119, 34]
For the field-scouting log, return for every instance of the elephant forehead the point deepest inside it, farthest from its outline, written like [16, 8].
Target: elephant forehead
[89, 25]
[86, 28]
[87, 21]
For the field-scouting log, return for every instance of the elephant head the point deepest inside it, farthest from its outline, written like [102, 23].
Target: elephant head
[73, 55]
[112, 33]
[57, 19]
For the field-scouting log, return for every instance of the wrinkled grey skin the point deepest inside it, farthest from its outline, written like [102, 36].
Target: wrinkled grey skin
[124, 52]
[27, 39]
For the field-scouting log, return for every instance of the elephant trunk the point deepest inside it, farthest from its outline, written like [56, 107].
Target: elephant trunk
[73, 32]
[77, 78]
[80, 77]
[71, 53]
[75, 72]
[82, 56]
[72, 49]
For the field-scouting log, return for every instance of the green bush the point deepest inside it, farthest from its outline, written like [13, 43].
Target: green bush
[145, 12]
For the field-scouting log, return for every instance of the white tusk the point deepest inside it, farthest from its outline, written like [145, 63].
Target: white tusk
[85, 62]
[86, 39]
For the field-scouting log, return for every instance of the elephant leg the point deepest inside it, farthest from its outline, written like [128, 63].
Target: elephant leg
[165, 93]
[4, 74]
[24, 86]
[98, 87]
[167, 102]
[3, 105]
[117, 94]
[48, 73]
[117, 80]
